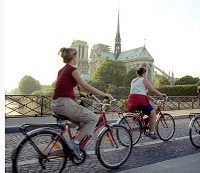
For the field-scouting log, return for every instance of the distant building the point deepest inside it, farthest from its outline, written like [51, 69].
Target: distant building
[133, 58]
[82, 55]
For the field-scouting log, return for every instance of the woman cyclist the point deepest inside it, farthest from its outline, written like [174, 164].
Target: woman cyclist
[64, 98]
[138, 99]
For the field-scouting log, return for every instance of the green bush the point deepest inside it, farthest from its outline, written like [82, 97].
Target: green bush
[179, 90]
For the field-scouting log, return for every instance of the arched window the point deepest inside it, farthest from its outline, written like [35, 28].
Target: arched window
[83, 52]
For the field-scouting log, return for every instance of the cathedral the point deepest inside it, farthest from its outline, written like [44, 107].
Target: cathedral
[133, 58]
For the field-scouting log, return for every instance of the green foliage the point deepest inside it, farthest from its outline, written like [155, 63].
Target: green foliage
[53, 84]
[47, 91]
[187, 80]
[15, 91]
[119, 91]
[101, 85]
[28, 84]
[179, 90]
[110, 72]
[162, 81]
[131, 74]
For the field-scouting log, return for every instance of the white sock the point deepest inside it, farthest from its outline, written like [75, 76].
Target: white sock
[152, 132]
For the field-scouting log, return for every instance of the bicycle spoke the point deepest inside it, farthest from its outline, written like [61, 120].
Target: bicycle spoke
[112, 152]
[133, 125]
[27, 159]
[165, 127]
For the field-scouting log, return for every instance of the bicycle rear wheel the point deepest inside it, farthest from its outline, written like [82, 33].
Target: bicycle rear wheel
[165, 126]
[27, 159]
[134, 125]
[110, 151]
[194, 131]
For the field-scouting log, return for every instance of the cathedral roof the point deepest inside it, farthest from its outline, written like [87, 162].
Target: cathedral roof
[108, 55]
[134, 54]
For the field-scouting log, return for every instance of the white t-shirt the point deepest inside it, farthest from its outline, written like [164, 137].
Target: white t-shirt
[137, 87]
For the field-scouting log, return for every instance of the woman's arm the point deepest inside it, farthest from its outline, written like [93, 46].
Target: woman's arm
[77, 76]
[148, 86]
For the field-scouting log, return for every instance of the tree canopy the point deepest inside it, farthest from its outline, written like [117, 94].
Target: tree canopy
[110, 72]
[131, 74]
[187, 80]
[162, 81]
[28, 85]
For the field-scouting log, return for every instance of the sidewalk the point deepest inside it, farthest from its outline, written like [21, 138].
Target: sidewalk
[185, 164]
[13, 124]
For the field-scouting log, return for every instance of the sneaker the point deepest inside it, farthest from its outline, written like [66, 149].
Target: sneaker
[153, 135]
[75, 148]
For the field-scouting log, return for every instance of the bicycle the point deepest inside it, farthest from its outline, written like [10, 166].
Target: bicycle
[194, 129]
[138, 123]
[45, 149]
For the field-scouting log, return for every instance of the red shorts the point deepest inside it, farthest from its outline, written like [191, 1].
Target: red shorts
[135, 100]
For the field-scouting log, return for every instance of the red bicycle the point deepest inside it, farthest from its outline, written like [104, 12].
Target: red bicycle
[46, 149]
[138, 123]
[194, 129]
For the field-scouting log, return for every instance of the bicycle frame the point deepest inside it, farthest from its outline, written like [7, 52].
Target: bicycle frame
[24, 127]
[143, 117]
[64, 126]
[48, 143]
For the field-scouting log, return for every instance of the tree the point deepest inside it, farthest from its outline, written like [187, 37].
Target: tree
[28, 85]
[110, 72]
[187, 80]
[162, 81]
[101, 85]
[131, 74]
[15, 91]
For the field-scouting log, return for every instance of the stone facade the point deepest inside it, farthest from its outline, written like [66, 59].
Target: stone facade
[82, 55]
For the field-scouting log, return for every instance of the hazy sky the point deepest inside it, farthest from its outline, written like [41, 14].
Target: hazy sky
[36, 29]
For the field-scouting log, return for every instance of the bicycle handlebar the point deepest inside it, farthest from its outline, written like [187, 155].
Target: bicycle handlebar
[96, 99]
[164, 98]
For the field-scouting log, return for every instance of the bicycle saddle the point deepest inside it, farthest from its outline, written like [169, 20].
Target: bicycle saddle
[58, 116]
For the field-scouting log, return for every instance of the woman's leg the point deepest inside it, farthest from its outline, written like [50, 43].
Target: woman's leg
[88, 121]
[152, 118]
[77, 114]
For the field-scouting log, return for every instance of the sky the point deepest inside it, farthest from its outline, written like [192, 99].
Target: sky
[34, 31]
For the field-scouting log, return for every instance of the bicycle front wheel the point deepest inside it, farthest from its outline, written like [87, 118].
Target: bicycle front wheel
[165, 126]
[44, 154]
[110, 148]
[194, 131]
[134, 125]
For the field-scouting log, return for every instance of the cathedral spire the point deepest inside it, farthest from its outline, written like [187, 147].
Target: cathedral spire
[117, 50]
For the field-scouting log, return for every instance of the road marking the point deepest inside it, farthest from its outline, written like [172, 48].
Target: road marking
[160, 141]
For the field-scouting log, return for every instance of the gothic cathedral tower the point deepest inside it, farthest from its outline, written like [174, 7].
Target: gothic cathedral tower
[82, 55]
[117, 50]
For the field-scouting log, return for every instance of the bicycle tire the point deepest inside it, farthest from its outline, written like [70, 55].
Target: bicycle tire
[26, 159]
[165, 126]
[108, 154]
[134, 125]
[194, 131]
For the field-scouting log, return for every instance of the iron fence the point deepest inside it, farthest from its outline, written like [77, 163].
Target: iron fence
[34, 105]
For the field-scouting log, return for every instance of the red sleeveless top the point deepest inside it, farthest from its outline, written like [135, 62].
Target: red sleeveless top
[65, 83]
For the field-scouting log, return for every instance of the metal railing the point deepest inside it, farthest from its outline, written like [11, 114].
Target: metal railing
[34, 105]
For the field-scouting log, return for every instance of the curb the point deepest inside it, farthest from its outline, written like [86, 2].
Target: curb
[15, 129]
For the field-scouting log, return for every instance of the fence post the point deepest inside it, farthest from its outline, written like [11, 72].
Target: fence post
[42, 105]
[192, 103]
